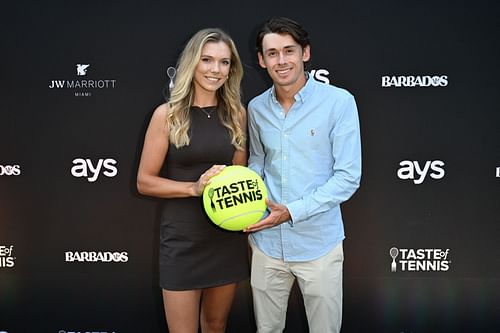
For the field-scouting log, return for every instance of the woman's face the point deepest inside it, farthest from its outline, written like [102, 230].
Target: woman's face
[213, 67]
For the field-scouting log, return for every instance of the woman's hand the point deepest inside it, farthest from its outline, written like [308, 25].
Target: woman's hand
[205, 177]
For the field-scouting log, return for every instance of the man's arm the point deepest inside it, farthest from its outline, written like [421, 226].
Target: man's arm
[257, 155]
[346, 151]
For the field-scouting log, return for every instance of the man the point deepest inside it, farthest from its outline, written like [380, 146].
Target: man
[305, 142]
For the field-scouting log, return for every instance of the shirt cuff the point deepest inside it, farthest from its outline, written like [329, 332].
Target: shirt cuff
[297, 211]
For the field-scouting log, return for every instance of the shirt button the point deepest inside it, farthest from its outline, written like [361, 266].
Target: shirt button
[284, 157]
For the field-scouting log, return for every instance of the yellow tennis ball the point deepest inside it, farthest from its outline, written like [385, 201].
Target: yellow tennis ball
[235, 198]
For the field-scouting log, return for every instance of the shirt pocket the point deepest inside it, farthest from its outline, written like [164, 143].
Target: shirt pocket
[314, 148]
[313, 142]
[313, 138]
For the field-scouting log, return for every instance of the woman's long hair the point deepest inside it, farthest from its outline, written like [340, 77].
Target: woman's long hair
[228, 95]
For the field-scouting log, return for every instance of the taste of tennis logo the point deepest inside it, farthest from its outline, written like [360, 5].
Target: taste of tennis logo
[235, 193]
[82, 87]
[7, 259]
[419, 260]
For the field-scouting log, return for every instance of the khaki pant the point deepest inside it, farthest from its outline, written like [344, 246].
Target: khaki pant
[320, 282]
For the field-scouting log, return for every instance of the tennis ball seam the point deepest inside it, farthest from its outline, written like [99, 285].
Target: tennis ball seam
[239, 215]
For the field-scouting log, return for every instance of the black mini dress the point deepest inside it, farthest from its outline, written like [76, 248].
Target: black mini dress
[195, 253]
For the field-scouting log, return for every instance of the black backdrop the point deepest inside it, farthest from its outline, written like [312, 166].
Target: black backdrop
[425, 77]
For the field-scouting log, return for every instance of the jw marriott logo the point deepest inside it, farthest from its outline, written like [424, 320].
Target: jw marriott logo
[82, 87]
[81, 69]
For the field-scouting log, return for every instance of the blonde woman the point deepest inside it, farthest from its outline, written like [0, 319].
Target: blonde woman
[191, 138]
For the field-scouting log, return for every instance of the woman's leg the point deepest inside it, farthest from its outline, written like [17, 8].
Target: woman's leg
[182, 310]
[215, 306]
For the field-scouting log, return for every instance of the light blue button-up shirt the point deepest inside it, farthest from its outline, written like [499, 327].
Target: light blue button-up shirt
[310, 160]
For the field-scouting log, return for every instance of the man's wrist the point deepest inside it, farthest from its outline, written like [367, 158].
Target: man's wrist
[286, 216]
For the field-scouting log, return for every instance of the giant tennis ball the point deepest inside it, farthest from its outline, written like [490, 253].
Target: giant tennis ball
[235, 198]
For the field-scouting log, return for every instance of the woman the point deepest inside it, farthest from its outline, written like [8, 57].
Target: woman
[191, 138]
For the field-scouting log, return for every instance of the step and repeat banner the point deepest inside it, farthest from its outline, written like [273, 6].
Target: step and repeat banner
[79, 81]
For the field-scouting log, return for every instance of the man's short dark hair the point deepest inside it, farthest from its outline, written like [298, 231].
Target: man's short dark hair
[283, 25]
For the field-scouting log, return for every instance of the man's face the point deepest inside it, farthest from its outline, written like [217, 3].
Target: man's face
[283, 58]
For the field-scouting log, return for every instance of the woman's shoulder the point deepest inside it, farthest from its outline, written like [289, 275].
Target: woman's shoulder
[160, 115]
[162, 111]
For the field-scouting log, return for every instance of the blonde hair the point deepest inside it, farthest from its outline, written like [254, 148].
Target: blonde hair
[229, 106]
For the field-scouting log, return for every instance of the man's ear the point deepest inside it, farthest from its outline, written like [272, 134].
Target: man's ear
[306, 53]
[261, 60]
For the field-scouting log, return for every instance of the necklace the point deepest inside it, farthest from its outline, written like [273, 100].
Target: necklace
[209, 113]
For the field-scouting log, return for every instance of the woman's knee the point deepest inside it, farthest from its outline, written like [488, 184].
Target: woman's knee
[212, 325]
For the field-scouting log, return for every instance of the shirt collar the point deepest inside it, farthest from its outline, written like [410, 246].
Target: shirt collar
[302, 94]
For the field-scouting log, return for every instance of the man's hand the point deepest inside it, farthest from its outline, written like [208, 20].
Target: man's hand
[279, 214]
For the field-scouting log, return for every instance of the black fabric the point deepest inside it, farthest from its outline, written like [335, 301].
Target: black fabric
[195, 253]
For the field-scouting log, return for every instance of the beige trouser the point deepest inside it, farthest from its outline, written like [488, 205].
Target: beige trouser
[320, 282]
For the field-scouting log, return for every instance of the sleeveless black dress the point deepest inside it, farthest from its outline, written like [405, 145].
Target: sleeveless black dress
[194, 252]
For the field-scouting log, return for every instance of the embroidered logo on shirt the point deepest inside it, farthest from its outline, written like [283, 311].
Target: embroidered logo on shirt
[312, 132]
